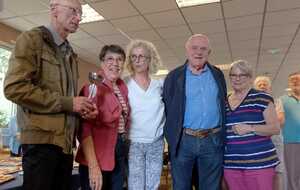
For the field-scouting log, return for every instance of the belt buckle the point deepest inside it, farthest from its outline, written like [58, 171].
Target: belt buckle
[195, 133]
[202, 134]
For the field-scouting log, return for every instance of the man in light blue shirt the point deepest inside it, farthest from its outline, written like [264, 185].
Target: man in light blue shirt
[194, 95]
[205, 95]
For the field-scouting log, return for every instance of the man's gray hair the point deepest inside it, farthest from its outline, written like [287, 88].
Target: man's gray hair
[196, 36]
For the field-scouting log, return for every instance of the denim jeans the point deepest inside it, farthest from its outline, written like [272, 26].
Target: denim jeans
[206, 154]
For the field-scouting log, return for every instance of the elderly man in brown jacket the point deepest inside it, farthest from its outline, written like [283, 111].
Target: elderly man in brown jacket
[42, 80]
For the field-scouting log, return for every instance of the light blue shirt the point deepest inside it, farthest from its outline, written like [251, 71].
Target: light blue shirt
[291, 129]
[202, 108]
[14, 143]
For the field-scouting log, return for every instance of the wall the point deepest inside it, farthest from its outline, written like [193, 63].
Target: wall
[9, 35]
[84, 69]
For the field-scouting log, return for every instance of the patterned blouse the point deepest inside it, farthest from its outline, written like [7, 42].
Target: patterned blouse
[249, 151]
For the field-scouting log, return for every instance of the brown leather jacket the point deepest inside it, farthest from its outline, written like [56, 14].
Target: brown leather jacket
[37, 82]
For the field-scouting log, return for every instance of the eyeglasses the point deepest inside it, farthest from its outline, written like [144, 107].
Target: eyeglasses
[240, 76]
[134, 58]
[111, 59]
[197, 48]
[74, 11]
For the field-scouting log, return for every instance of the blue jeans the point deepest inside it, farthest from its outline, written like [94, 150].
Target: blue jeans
[206, 154]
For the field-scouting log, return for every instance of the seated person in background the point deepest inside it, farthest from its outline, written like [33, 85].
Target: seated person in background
[14, 137]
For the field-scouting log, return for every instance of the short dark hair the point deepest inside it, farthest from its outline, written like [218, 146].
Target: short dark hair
[113, 49]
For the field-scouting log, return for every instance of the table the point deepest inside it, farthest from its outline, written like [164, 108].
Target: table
[16, 184]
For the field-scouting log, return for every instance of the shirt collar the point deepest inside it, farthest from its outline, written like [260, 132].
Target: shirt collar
[57, 39]
[293, 96]
[204, 69]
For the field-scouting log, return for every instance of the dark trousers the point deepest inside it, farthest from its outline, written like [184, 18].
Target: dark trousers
[46, 167]
[112, 180]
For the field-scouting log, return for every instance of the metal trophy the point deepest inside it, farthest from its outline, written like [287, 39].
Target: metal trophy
[94, 79]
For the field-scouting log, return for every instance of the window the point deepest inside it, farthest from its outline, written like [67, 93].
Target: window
[6, 108]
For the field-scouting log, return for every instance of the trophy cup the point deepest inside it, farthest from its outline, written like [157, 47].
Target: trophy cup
[94, 79]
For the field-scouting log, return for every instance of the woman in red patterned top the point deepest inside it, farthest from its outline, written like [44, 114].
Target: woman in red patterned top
[103, 141]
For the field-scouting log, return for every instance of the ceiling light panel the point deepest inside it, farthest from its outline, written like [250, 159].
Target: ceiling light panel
[189, 3]
[89, 14]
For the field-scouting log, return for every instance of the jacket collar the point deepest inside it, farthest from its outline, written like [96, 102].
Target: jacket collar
[182, 73]
[48, 38]
[217, 79]
[55, 35]
[109, 84]
[293, 96]
[182, 76]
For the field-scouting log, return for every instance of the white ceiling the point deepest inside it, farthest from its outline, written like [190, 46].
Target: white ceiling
[238, 29]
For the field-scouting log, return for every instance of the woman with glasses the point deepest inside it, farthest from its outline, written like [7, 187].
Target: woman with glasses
[103, 141]
[147, 116]
[250, 156]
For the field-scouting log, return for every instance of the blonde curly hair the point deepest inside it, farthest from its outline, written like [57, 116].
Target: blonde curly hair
[155, 60]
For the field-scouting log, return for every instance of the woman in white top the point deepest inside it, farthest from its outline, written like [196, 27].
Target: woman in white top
[147, 116]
